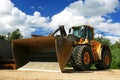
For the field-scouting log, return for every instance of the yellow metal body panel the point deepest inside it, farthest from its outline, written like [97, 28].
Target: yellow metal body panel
[96, 49]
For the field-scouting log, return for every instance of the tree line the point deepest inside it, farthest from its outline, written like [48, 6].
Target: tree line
[16, 34]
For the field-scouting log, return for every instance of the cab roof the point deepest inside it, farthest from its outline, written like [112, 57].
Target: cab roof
[77, 27]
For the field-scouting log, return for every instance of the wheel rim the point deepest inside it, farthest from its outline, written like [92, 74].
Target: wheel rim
[86, 58]
[107, 60]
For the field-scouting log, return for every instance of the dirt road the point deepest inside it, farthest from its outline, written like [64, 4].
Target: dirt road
[68, 75]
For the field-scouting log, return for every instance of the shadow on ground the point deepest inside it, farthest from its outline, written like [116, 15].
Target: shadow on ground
[86, 71]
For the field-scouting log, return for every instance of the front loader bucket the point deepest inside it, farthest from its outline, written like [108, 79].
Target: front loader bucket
[41, 49]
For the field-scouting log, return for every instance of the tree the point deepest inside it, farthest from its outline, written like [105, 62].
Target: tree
[3, 37]
[115, 50]
[15, 35]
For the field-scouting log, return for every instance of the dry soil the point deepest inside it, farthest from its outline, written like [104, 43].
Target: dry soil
[69, 74]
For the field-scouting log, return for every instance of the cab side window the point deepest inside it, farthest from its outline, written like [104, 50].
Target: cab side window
[90, 34]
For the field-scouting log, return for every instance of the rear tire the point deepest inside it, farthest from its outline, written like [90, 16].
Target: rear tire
[81, 58]
[105, 61]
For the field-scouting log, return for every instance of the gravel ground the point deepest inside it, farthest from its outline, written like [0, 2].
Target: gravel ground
[68, 75]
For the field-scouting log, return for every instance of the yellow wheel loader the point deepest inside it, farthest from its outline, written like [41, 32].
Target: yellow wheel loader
[78, 47]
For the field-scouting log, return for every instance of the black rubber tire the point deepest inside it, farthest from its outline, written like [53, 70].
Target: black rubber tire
[101, 65]
[77, 58]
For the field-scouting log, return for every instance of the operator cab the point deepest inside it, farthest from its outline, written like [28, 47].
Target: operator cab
[84, 31]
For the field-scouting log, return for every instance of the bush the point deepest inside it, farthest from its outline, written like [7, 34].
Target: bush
[115, 50]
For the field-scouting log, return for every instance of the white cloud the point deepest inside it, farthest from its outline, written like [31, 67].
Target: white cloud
[93, 7]
[32, 7]
[113, 28]
[77, 13]
[5, 6]
[11, 18]
[89, 13]
[40, 7]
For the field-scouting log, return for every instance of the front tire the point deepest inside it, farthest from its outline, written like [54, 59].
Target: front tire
[81, 57]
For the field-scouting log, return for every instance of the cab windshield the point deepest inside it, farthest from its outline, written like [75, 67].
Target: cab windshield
[79, 32]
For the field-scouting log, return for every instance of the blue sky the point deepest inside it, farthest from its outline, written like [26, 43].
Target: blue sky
[52, 7]
[45, 7]
[44, 16]
[48, 9]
